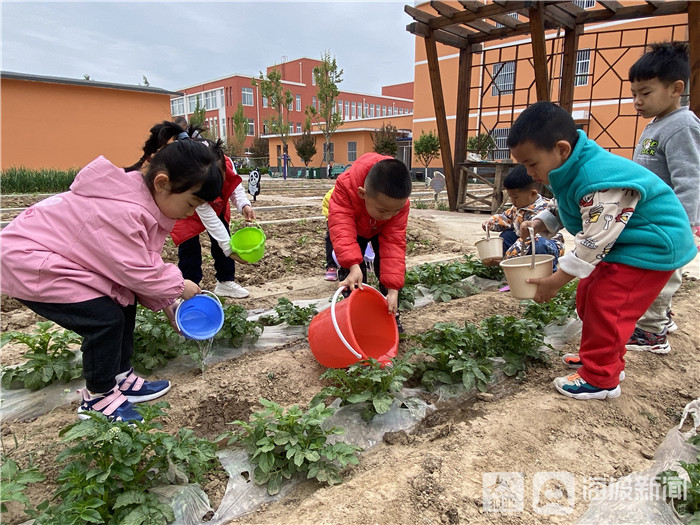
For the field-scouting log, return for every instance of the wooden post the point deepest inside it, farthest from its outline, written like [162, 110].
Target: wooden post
[568, 70]
[539, 52]
[441, 119]
[462, 116]
[694, 45]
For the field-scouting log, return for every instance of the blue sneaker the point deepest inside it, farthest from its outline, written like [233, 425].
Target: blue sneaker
[113, 404]
[575, 386]
[137, 390]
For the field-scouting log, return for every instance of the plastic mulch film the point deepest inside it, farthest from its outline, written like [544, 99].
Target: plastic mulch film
[23, 404]
[652, 508]
[244, 496]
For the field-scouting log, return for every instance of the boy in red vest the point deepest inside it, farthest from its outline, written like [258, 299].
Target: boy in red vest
[370, 205]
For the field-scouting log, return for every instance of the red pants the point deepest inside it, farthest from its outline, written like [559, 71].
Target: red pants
[609, 302]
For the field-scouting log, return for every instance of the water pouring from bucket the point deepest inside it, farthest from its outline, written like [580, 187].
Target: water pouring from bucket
[354, 329]
[519, 269]
[200, 318]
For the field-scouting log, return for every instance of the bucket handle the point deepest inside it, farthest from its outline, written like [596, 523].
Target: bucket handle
[335, 322]
[211, 294]
[531, 230]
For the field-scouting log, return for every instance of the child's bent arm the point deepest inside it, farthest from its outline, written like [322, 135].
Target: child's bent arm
[547, 287]
[215, 227]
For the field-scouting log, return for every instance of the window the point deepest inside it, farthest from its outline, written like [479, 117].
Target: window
[371, 110]
[365, 112]
[192, 102]
[298, 102]
[177, 106]
[313, 102]
[353, 110]
[340, 107]
[500, 135]
[383, 111]
[503, 78]
[290, 107]
[298, 127]
[328, 155]
[291, 127]
[585, 4]
[583, 62]
[251, 127]
[347, 109]
[264, 102]
[247, 96]
[352, 151]
[265, 129]
[211, 99]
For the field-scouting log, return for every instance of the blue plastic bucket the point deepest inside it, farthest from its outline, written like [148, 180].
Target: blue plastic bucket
[200, 317]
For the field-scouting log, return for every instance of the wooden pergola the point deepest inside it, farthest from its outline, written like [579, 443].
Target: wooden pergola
[474, 22]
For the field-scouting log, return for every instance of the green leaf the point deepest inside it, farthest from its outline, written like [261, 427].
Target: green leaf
[382, 403]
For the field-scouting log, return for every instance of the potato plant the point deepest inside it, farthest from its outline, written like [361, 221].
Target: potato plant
[288, 312]
[284, 442]
[48, 359]
[366, 382]
[109, 468]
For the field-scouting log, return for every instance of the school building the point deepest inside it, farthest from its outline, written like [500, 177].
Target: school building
[362, 113]
[62, 123]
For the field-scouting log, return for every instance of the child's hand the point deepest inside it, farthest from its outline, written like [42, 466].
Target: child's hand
[191, 289]
[487, 225]
[547, 287]
[248, 213]
[354, 278]
[535, 224]
[170, 314]
[392, 297]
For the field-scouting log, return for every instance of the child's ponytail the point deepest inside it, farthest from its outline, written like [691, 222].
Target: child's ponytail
[187, 162]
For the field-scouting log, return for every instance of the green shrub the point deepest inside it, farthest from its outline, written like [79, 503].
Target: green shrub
[24, 180]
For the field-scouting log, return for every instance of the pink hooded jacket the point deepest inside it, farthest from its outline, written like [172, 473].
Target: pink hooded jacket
[104, 237]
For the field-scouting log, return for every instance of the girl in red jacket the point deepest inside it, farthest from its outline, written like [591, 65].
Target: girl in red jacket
[214, 217]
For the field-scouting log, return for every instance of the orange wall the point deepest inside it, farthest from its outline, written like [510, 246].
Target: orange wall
[60, 126]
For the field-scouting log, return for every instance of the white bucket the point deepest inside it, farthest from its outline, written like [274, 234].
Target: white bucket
[518, 270]
[490, 248]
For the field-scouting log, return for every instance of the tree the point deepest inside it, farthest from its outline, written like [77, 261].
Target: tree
[279, 100]
[482, 145]
[327, 77]
[260, 151]
[240, 128]
[384, 140]
[306, 143]
[427, 148]
[199, 115]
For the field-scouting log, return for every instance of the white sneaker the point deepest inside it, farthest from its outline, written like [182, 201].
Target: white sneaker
[230, 289]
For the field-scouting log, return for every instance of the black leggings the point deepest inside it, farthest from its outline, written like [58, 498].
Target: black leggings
[108, 336]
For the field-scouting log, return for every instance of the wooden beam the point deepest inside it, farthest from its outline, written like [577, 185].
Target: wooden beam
[506, 20]
[539, 52]
[568, 70]
[462, 116]
[444, 9]
[484, 11]
[669, 7]
[558, 17]
[610, 5]
[441, 118]
[420, 29]
[418, 15]
[694, 45]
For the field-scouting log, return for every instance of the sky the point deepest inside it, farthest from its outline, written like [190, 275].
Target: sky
[179, 44]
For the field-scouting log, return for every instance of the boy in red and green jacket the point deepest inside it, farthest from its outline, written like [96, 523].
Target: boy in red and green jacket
[370, 205]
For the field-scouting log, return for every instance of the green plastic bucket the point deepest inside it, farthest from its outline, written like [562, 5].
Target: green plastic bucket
[249, 243]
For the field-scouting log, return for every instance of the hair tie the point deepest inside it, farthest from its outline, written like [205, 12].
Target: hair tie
[183, 135]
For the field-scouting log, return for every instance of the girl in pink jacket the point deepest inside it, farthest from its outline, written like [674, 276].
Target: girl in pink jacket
[84, 257]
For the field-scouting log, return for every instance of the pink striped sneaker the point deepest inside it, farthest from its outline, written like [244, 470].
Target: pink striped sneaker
[113, 404]
[137, 389]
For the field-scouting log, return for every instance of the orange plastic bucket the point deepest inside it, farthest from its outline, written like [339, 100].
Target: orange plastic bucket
[354, 329]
